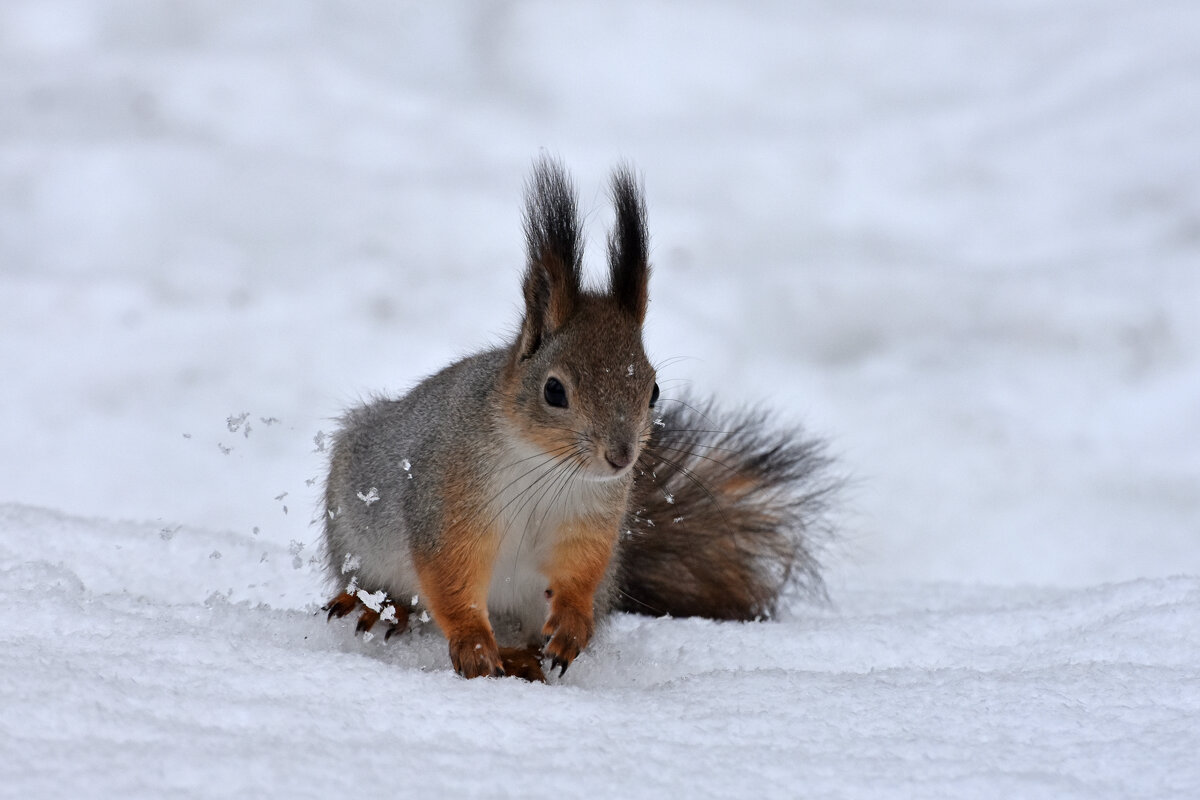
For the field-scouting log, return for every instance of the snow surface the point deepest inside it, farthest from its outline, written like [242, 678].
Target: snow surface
[963, 242]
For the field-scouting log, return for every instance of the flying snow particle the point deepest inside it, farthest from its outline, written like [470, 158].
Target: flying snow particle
[660, 423]
[167, 533]
[235, 421]
[294, 548]
[424, 616]
[319, 441]
[372, 600]
[309, 481]
[416, 599]
[281, 496]
[371, 496]
[629, 371]
[285, 509]
[246, 431]
[215, 554]
[350, 563]
[187, 436]
[334, 513]
[269, 420]
[677, 520]
[670, 498]
[256, 530]
[224, 450]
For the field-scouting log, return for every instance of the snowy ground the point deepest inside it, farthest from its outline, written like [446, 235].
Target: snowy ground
[963, 243]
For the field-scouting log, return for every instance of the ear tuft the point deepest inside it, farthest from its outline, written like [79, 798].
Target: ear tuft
[554, 245]
[628, 244]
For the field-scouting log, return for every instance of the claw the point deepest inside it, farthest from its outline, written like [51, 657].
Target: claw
[366, 621]
[400, 625]
[558, 662]
[340, 606]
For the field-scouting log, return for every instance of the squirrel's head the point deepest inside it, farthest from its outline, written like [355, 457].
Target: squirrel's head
[578, 385]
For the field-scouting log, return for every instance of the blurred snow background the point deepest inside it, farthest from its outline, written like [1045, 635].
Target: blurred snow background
[964, 244]
[961, 242]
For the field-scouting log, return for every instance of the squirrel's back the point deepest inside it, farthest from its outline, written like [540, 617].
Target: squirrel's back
[387, 460]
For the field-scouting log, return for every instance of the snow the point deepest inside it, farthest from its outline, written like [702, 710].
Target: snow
[963, 242]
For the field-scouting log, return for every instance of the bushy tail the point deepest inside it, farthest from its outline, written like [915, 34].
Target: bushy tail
[726, 515]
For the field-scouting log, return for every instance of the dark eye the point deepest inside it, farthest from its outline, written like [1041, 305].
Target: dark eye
[654, 396]
[555, 394]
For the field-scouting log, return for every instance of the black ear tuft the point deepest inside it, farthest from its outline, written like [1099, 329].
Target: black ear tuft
[628, 244]
[555, 252]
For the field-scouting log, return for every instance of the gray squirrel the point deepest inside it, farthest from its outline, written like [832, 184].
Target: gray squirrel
[530, 489]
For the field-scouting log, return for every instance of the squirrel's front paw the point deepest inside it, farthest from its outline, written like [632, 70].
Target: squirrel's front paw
[567, 632]
[476, 656]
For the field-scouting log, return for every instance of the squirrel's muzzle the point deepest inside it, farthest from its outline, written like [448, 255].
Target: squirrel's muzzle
[619, 456]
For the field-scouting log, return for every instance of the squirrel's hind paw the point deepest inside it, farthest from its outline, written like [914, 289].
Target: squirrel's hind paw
[523, 662]
[345, 602]
[366, 621]
[340, 606]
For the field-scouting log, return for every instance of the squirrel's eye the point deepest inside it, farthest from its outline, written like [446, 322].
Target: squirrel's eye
[654, 396]
[555, 394]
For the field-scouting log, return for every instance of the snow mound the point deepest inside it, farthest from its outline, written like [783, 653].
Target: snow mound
[133, 669]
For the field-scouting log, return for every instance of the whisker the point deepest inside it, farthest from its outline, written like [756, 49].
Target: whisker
[622, 592]
[546, 485]
[548, 464]
[709, 459]
[671, 361]
[689, 406]
[687, 473]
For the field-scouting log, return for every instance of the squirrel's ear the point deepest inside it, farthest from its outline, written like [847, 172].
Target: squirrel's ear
[628, 245]
[555, 252]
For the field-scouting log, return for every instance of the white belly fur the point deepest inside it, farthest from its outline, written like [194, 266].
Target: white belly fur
[533, 500]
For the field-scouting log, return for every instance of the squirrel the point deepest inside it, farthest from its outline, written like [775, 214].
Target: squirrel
[533, 488]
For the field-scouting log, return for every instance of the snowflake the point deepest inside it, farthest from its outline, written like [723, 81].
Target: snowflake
[372, 600]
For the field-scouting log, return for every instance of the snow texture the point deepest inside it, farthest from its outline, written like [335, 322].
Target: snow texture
[963, 241]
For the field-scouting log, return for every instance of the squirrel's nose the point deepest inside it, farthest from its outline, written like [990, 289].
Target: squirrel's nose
[619, 457]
